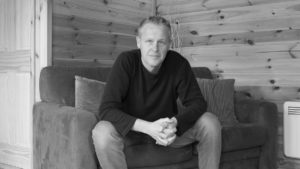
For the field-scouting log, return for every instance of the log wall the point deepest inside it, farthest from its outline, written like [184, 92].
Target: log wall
[256, 42]
[94, 32]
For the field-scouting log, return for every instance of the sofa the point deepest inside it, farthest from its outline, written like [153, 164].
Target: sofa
[62, 133]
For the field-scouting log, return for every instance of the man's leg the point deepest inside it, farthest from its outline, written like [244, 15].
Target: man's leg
[109, 146]
[207, 131]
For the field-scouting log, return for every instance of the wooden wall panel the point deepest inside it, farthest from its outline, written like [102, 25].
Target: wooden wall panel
[255, 42]
[167, 7]
[93, 32]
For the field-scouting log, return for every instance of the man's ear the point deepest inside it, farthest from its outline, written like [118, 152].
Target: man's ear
[138, 41]
[171, 43]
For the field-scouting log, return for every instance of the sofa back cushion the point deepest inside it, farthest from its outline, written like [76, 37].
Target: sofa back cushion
[88, 94]
[57, 84]
[219, 95]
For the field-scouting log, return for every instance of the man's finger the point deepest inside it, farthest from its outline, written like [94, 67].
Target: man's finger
[163, 135]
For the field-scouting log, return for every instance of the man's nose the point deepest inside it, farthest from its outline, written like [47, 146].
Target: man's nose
[155, 46]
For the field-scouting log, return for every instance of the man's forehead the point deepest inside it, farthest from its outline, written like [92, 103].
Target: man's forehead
[151, 25]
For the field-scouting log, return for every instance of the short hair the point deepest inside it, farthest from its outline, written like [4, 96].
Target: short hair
[158, 20]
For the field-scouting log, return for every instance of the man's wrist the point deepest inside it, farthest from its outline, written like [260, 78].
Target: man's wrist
[140, 126]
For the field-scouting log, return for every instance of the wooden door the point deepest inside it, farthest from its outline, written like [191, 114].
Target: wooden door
[16, 82]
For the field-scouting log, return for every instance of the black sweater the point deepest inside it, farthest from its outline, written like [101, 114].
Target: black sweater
[132, 92]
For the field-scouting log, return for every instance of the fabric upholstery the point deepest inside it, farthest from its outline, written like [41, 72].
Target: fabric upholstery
[202, 72]
[62, 133]
[57, 84]
[264, 114]
[143, 155]
[88, 94]
[242, 136]
[219, 95]
[61, 137]
[141, 148]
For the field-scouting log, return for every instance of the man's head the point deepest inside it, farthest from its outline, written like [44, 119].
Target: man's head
[154, 40]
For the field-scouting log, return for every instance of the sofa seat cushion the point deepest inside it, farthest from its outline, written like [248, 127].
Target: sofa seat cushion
[242, 136]
[141, 151]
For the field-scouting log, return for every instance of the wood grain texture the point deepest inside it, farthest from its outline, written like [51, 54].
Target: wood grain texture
[95, 32]
[83, 62]
[15, 18]
[16, 21]
[166, 7]
[76, 23]
[15, 144]
[98, 10]
[5, 166]
[256, 42]
[250, 12]
[17, 61]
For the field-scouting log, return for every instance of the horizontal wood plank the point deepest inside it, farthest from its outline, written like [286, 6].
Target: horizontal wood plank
[16, 61]
[89, 52]
[76, 23]
[90, 37]
[83, 62]
[278, 95]
[269, 50]
[98, 11]
[243, 26]
[250, 38]
[239, 14]
[166, 7]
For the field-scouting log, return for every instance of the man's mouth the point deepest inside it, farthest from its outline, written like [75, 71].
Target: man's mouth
[154, 55]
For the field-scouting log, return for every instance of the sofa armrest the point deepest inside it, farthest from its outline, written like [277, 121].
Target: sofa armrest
[62, 137]
[264, 113]
[248, 110]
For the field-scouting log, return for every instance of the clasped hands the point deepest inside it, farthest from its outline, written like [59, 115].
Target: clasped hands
[165, 131]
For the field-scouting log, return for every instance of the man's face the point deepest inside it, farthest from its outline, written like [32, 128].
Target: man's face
[154, 43]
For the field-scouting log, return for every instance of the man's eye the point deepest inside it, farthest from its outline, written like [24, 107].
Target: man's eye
[162, 42]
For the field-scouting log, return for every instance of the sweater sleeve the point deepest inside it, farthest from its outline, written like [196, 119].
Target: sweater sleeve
[190, 95]
[115, 91]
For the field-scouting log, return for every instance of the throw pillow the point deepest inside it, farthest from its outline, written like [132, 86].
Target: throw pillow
[219, 95]
[88, 94]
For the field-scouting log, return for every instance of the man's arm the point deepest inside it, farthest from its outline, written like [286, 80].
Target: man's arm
[191, 98]
[116, 89]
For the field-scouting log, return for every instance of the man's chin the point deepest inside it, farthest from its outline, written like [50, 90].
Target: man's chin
[155, 64]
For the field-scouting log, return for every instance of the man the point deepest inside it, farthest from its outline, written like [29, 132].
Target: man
[140, 97]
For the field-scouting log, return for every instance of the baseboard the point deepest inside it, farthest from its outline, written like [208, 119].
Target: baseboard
[15, 156]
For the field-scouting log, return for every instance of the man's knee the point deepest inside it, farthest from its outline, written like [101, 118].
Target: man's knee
[103, 134]
[209, 123]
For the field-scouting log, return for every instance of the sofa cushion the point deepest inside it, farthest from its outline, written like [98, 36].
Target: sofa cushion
[57, 84]
[219, 95]
[242, 136]
[141, 151]
[145, 155]
[88, 94]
